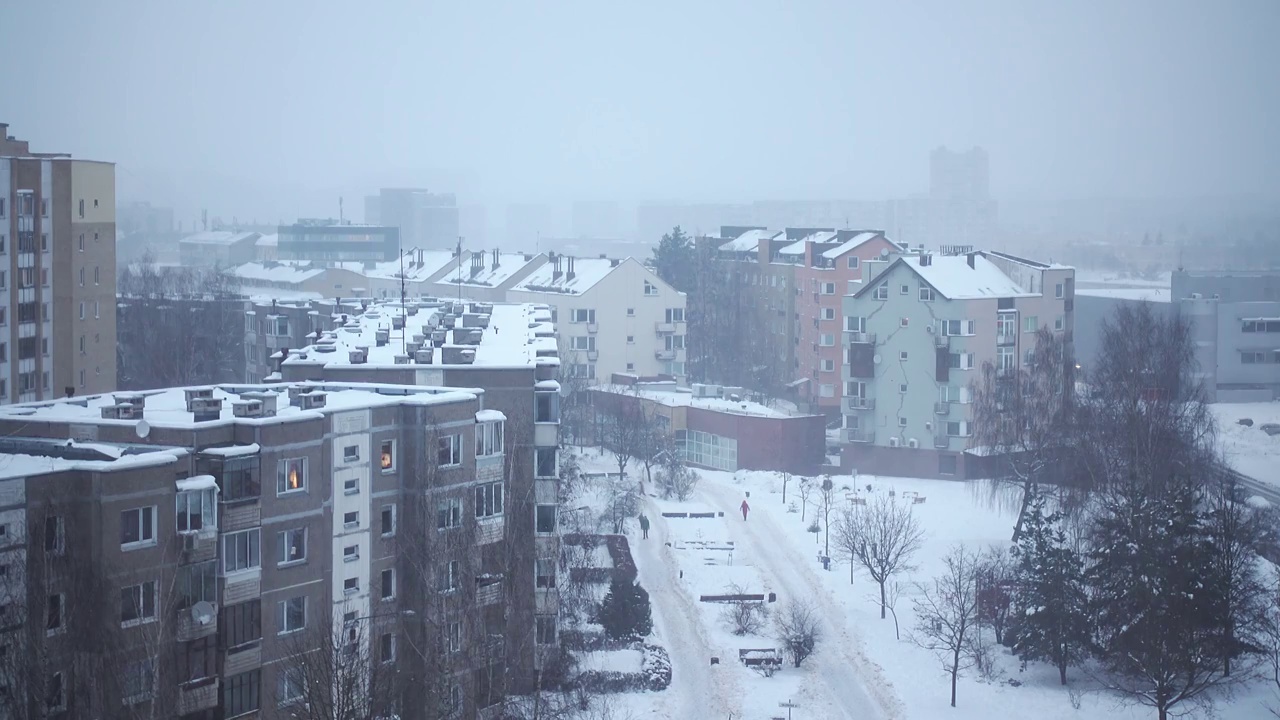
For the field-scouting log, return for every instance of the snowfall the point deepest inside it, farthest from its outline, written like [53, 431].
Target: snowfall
[860, 670]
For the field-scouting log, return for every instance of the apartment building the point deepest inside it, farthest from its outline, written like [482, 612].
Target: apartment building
[507, 351]
[916, 337]
[211, 552]
[1236, 321]
[615, 316]
[57, 273]
[328, 240]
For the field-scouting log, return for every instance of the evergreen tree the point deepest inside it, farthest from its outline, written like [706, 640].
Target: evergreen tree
[1154, 601]
[1050, 621]
[625, 613]
[673, 260]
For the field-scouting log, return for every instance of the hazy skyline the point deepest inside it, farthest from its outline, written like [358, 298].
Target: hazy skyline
[274, 109]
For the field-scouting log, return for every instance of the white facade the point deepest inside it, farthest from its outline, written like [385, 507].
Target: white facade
[351, 448]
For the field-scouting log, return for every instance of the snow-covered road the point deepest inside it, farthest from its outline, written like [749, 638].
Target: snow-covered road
[850, 682]
[698, 689]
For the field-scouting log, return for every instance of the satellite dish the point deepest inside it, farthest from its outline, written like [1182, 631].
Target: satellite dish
[876, 359]
[143, 428]
[884, 252]
[202, 612]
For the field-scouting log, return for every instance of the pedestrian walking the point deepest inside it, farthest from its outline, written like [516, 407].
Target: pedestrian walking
[644, 525]
[745, 508]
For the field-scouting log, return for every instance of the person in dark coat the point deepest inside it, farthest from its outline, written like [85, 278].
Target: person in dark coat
[745, 509]
[644, 525]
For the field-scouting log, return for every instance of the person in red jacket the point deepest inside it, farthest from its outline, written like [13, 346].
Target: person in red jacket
[745, 508]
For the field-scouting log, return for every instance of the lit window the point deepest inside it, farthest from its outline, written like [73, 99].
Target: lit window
[388, 455]
[291, 475]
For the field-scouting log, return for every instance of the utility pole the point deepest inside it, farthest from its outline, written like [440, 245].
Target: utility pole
[404, 326]
[459, 268]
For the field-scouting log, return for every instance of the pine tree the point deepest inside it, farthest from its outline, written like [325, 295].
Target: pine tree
[1154, 600]
[625, 613]
[1050, 622]
[673, 260]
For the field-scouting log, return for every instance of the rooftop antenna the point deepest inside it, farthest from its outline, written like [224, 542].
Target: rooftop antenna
[459, 268]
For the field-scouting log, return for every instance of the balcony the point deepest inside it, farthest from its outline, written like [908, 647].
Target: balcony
[1006, 339]
[593, 328]
[665, 354]
[489, 593]
[941, 341]
[862, 338]
[593, 355]
[190, 627]
[854, 435]
[664, 328]
[854, 403]
[1004, 373]
[942, 408]
[941, 441]
[198, 695]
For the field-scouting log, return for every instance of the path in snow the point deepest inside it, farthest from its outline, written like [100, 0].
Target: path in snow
[851, 679]
[698, 689]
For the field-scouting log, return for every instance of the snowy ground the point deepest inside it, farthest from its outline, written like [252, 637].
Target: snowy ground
[1249, 449]
[860, 670]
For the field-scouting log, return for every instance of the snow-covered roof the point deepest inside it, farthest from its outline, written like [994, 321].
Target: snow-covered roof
[845, 247]
[586, 273]
[285, 273]
[952, 277]
[16, 465]
[1149, 294]
[219, 237]
[748, 241]
[795, 248]
[821, 236]
[271, 240]
[516, 332]
[433, 261]
[168, 408]
[683, 397]
[489, 276]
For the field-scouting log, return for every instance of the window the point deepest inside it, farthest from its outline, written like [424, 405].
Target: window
[81, 285]
[882, 291]
[1057, 290]
[291, 475]
[453, 637]
[953, 394]
[351, 519]
[545, 519]
[240, 692]
[388, 520]
[289, 686]
[196, 509]
[449, 513]
[387, 456]
[958, 428]
[828, 365]
[291, 614]
[1028, 357]
[904, 322]
[389, 584]
[1030, 323]
[853, 262]
[955, 328]
[351, 486]
[544, 571]
[631, 339]
[97, 312]
[546, 406]
[81, 244]
[675, 315]
[138, 526]
[650, 289]
[489, 500]
[56, 697]
[53, 613]
[81, 317]
[927, 294]
[488, 438]
[449, 450]
[828, 313]
[946, 464]
[351, 453]
[544, 462]
[197, 582]
[54, 537]
[240, 551]
[583, 342]
[138, 603]
[387, 647]
[827, 340]
[351, 553]
[44, 277]
[351, 586]
[855, 324]
[583, 316]
[97, 275]
[1006, 326]
[1058, 323]
[448, 580]
[44, 247]
[545, 629]
[960, 361]
[291, 546]
[902, 388]
[240, 479]
[243, 624]
[198, 661]
[902, 355]
[829, 288]
[1006, 358]
[631, 312]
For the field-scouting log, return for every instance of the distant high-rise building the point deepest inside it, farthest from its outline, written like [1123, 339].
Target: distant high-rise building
[959, 175]
[526, 223]
[426, 219]
[596, 219]
[58, 246]
[473, 224]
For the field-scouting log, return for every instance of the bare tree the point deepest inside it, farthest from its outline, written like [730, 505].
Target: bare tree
[336, 669]
[996, 573]
[675, 477]
[946, 613]
[799, 629]
[881, 536]
[806, 489]
[1267, 637]
[1236, 533]
[744, 617]
[828, 499]
[1022, 415]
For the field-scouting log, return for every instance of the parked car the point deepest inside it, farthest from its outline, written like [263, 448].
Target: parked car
[1272, 429]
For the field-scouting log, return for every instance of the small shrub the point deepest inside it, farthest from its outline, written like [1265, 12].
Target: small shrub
[656, 667]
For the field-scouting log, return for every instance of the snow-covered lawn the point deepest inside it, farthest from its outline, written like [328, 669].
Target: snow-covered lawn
[1249, 449]
[860, 670]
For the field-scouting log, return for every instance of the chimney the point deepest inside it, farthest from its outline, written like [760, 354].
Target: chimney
[477, 264]
[496, 253]
[420, 261]
[926, 260]
[570, 274]
[555, 266]
[970, 257]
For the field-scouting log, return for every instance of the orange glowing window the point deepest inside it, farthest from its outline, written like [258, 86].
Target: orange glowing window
[388, 455]
[291, 475]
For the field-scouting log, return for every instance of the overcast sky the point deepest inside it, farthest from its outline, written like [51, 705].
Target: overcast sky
[273, 108]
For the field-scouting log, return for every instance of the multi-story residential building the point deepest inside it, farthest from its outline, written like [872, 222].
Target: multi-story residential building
[425, 219]
[916, 336]
[615, 316]
[212, 552]
[486, 275]
[507, 350]
[327, 241]
[1236, 317]
[57, 274]
[764, 292]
